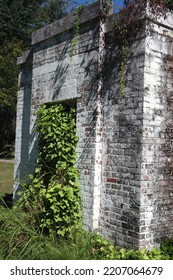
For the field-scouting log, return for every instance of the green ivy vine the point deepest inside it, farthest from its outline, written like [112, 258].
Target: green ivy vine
[52, 194]
[75, 40]
[124, 53]
[128, 25]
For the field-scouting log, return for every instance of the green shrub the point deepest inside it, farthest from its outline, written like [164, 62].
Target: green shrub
[167, 248]
[133, 254]
[102, 249]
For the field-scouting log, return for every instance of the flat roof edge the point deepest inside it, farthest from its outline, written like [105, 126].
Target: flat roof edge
[90, 12]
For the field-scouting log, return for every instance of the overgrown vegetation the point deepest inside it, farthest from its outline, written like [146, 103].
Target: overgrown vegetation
[128, 26]
[75, 39]
[24, 241]
[52, 194]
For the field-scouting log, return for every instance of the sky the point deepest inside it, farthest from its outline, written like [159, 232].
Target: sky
[117, 3]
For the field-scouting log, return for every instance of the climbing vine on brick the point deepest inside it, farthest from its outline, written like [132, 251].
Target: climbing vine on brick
[75, 40]
[53, 193]
[127, 28]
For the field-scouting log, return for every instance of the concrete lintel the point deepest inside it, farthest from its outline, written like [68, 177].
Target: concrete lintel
[66, 23]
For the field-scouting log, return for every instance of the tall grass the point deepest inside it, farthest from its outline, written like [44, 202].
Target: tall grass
[20, 240]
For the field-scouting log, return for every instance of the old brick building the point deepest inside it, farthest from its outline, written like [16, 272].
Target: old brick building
[125, 149]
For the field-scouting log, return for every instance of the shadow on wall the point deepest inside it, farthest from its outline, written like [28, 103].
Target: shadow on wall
[89, 98]
[122, 134]
[25, 164]
[61, 71]
[59, 79]
[63, 78]
[164, 182]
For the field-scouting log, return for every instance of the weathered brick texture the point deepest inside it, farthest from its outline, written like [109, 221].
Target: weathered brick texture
[125, 148]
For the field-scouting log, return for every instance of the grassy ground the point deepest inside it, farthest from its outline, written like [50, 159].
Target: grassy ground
[6, 177]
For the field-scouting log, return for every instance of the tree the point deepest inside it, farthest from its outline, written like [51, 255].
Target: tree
[52, 10]
[8, 91]
[22, 17]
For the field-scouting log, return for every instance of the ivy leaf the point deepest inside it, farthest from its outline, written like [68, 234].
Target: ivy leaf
[61, 193]
[61, 232]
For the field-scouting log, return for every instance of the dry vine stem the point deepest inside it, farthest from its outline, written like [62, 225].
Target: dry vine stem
[128, 25]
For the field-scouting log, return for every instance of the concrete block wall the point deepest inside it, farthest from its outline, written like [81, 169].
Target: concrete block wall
[124, 153]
